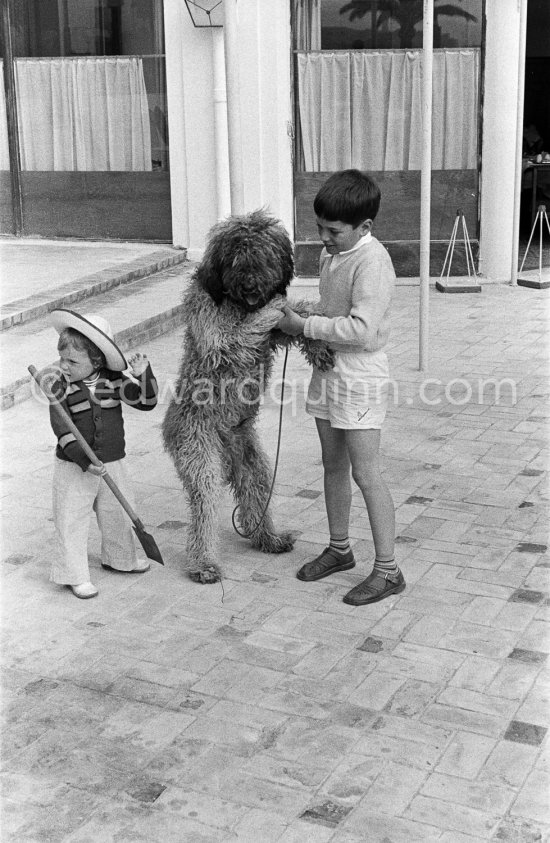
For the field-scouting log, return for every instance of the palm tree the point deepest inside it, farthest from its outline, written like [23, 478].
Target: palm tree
[407, 13]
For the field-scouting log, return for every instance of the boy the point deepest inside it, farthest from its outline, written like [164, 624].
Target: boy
[349, 402]
[91, 391]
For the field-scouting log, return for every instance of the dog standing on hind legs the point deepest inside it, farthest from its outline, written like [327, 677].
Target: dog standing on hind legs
[232, 308]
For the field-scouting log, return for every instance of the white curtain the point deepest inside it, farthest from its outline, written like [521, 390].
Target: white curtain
[363, 109]
[83, 114]
[4, 150]
[307, 24]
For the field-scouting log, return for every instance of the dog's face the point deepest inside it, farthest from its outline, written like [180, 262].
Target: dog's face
[248, 260]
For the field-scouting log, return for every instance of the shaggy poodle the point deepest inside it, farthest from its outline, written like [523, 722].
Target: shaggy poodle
[232, 306]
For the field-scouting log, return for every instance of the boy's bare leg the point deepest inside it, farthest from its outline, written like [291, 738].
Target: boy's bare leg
[364, 453]
[386, 578]
[337, 481]
[337, 484]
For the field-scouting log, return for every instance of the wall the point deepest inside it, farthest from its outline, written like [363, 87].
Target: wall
[190, 88]
[258, 51]
[260, 48]
[498, 153]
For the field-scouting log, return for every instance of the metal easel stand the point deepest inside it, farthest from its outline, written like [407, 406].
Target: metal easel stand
[530, 278]
[459, 284]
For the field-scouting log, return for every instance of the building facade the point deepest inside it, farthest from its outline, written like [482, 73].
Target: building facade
[124, 120]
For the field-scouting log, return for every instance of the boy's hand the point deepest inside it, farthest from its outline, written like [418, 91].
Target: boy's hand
[291, 323]
[138, 363]
[98, 470]
[267, 317]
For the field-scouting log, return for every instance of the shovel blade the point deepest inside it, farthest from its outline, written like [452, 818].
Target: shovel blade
[148, 544]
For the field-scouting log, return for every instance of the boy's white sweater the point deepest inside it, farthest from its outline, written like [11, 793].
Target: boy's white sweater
[355, 289]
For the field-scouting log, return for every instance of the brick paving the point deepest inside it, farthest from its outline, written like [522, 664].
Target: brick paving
[269, 710]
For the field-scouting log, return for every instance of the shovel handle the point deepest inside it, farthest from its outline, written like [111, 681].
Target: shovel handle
[62, 413]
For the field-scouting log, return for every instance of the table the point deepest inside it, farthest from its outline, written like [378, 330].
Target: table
[534, 167]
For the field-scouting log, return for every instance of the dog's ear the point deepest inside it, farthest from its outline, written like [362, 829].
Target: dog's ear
[209, 274]
[285, 255]
[288, 265]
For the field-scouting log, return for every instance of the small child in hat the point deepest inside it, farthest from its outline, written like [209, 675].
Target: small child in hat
[92, 387]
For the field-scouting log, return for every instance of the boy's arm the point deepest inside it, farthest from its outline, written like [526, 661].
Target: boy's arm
[371, 297]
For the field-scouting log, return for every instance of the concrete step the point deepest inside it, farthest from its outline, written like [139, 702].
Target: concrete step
[138, 310]
[81, 287]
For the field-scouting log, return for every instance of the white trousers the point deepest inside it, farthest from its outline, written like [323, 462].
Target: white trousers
[75, 494]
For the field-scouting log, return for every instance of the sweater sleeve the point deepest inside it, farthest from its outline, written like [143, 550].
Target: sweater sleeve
[370, 300]
[140, 392]
[65, 439]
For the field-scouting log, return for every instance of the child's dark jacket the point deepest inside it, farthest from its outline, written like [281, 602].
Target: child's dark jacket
[98, 415]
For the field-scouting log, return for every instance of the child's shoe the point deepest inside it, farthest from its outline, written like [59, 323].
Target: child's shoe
[376, 587]
[85, 590]
[141, 567]
[327, 563]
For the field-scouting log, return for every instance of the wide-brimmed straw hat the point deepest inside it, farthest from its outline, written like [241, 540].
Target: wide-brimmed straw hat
[97, 329]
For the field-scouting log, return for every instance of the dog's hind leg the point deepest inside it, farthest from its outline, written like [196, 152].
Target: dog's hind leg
[200, 475]
[250, 477]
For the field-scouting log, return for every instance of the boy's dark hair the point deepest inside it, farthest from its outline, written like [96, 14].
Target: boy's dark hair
[349, 196]
[70, 337]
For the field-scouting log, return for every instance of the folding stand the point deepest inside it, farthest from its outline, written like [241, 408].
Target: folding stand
[459, 284]
[529, 278]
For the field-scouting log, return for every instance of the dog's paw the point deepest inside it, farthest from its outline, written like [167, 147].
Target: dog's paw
[206, 576]
[324, 359]
[317, 353]
[274, 542]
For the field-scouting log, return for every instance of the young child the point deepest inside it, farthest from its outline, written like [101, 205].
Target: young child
[91, 391]
[349, 402]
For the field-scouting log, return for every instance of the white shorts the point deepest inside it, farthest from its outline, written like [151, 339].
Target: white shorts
[353, 395]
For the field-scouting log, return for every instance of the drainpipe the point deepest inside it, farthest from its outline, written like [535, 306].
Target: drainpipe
[231, 45]
[426, 181]
[522, 8]
[220, 126]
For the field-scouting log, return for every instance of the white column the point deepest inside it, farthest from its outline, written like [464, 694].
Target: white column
[174, 28]
[220, 126]
[498, 151]
[232, 48]
[426, 181]
[519, 141]
[257, 65]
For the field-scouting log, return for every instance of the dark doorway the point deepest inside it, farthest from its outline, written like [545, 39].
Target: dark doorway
[536, 121]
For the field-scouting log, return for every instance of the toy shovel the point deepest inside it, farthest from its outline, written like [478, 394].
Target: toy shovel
[146, 539]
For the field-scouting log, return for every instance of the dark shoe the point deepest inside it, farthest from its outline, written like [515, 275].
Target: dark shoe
[141, 568]
[328, 562]
[376, 587]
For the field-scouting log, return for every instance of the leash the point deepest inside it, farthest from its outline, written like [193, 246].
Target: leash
[262, 516]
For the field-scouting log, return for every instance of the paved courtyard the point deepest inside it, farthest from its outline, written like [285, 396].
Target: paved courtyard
[267, 709]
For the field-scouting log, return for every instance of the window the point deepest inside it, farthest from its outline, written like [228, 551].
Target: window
[397, 24]
[89, 90]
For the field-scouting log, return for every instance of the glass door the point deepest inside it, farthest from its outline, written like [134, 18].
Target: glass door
[90, 148]
[358, 89]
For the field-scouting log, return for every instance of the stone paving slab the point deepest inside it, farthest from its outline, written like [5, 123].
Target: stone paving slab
[269, 710]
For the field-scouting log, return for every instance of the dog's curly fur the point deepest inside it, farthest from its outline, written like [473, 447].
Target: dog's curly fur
[231, 309]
